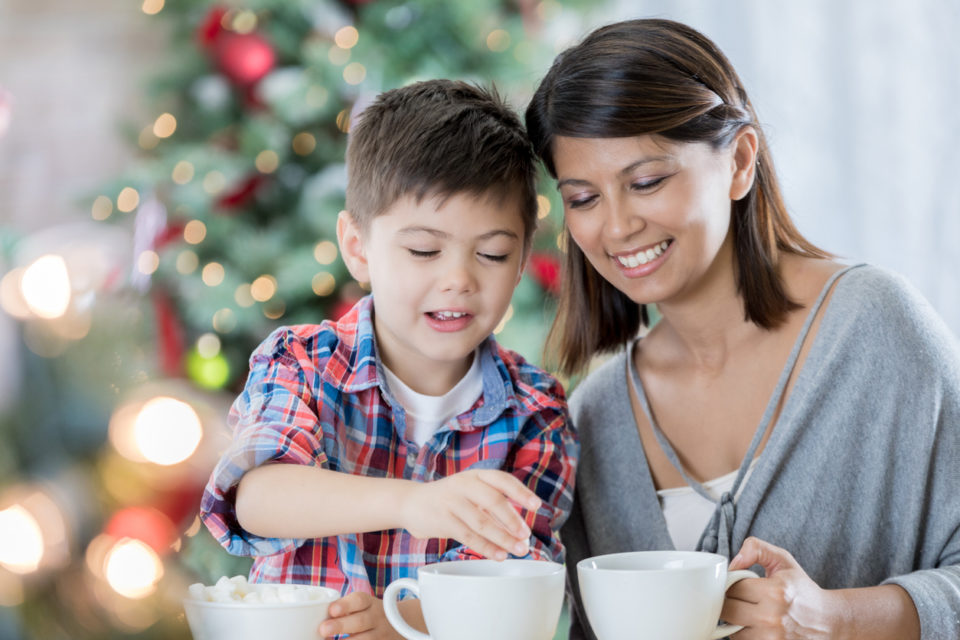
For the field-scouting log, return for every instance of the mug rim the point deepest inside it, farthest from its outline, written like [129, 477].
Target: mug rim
[435, 569]
[714, 559]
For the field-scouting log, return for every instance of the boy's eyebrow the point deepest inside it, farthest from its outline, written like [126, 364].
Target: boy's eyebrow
[627, 169]
[443, 234]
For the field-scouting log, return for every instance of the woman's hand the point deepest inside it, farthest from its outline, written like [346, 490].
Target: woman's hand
[786, 605]
[475, 508]
[361, 615]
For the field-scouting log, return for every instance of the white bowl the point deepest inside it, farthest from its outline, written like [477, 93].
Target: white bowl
[259, 620]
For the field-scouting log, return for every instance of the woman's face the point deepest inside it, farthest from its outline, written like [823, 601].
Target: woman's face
[651, 215]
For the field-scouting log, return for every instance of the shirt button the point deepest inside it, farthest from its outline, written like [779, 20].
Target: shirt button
[412, 458]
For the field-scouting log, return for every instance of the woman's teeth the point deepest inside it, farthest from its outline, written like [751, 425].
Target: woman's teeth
[645, 256]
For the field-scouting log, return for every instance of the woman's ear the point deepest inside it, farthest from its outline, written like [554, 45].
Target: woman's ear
[745, 148]
[350, 239]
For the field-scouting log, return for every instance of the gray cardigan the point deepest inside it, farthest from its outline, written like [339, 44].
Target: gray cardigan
[860, 479]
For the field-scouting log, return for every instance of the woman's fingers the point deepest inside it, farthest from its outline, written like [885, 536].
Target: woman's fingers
[771, 557]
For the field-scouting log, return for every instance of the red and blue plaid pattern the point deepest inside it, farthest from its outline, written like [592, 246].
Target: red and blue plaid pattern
[315, 396]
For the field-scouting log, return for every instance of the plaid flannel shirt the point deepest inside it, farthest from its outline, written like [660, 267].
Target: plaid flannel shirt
[316, 395]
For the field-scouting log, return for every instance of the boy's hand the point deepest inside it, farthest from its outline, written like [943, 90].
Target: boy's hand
[361, 615]
[474, 508]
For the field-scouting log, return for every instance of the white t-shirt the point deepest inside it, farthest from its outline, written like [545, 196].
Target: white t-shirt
[687, 512]
[426, 414]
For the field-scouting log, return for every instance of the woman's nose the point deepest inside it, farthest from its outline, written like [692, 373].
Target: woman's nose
[621, 221]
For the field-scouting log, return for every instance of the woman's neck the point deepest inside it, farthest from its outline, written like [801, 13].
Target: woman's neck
[705, 324]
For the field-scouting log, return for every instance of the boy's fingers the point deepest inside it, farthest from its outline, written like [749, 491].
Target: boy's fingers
[495, 538]
[491, 501]
[352, 623]
[469, 536]
[511, 487]
[350, 603]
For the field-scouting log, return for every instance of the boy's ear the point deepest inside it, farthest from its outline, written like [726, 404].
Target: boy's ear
[351, 247]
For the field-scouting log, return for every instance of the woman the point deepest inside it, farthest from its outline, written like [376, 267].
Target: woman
[786, 410]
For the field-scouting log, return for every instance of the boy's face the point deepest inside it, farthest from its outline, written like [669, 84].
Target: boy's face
[442, 276]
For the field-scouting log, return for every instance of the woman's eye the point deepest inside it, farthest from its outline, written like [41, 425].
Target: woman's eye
[417, 253]
[579, 203]
[648, 185]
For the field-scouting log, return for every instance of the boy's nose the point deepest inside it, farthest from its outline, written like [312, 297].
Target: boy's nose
[458, 278]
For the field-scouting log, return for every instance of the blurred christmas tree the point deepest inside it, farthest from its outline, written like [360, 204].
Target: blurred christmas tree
[235, 204]
[220, 231]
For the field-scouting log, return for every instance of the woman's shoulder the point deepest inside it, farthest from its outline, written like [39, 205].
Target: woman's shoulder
[605, 381]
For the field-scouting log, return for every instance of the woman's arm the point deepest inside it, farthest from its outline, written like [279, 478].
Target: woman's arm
[788, 604]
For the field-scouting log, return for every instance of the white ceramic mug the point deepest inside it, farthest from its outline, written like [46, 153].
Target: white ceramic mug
[482, 600]
[667, 595]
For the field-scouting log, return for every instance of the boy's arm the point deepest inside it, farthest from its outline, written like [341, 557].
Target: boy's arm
[295, 501]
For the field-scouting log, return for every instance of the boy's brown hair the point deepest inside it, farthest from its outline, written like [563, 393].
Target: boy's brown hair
[439, 138]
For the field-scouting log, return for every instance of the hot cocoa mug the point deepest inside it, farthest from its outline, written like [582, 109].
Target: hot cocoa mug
[482, 600]
[667, 595]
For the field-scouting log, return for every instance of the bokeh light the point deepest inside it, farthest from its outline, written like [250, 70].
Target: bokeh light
[132, 568]
[325, 252]
[167, 431]
[45, 286]
[102, 208]
[267, 161]
[194, 232]
[21, 540]
[213, 274]
[543, 207]
[323, 284]
[354, 73]
[165, 126]
[346, 37]
[148, 262]
[503, 321]
[187, 262]
[128, 200]
[263, 288]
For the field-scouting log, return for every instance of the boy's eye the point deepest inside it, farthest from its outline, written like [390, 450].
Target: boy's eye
[495, 257]
[417, 253]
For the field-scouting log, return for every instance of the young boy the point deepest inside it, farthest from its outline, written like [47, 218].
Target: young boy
[402, 434]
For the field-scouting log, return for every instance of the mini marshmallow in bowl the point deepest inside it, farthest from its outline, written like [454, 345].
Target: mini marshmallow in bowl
[237, 589]
[237, 610]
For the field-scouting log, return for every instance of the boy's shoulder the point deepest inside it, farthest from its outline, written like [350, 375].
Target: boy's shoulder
[535, 388]
[336, 350]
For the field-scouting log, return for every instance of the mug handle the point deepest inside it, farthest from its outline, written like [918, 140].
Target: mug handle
[393, 613]
[722, 630]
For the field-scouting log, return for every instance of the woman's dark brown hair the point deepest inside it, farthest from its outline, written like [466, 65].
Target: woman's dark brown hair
[660, 77]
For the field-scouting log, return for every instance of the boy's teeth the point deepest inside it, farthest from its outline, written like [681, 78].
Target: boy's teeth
[449, 315]
[645, 256]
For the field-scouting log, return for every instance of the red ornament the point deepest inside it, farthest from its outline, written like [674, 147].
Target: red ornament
[545, 269]
[171, 233]
[211, 27]
[242, 194]
[145, 524]
[245, 58]
[170, 339]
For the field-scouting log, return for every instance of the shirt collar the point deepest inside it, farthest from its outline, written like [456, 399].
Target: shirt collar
[354, 366]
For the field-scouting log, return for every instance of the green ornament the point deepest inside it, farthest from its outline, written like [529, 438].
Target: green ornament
[208, 372]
